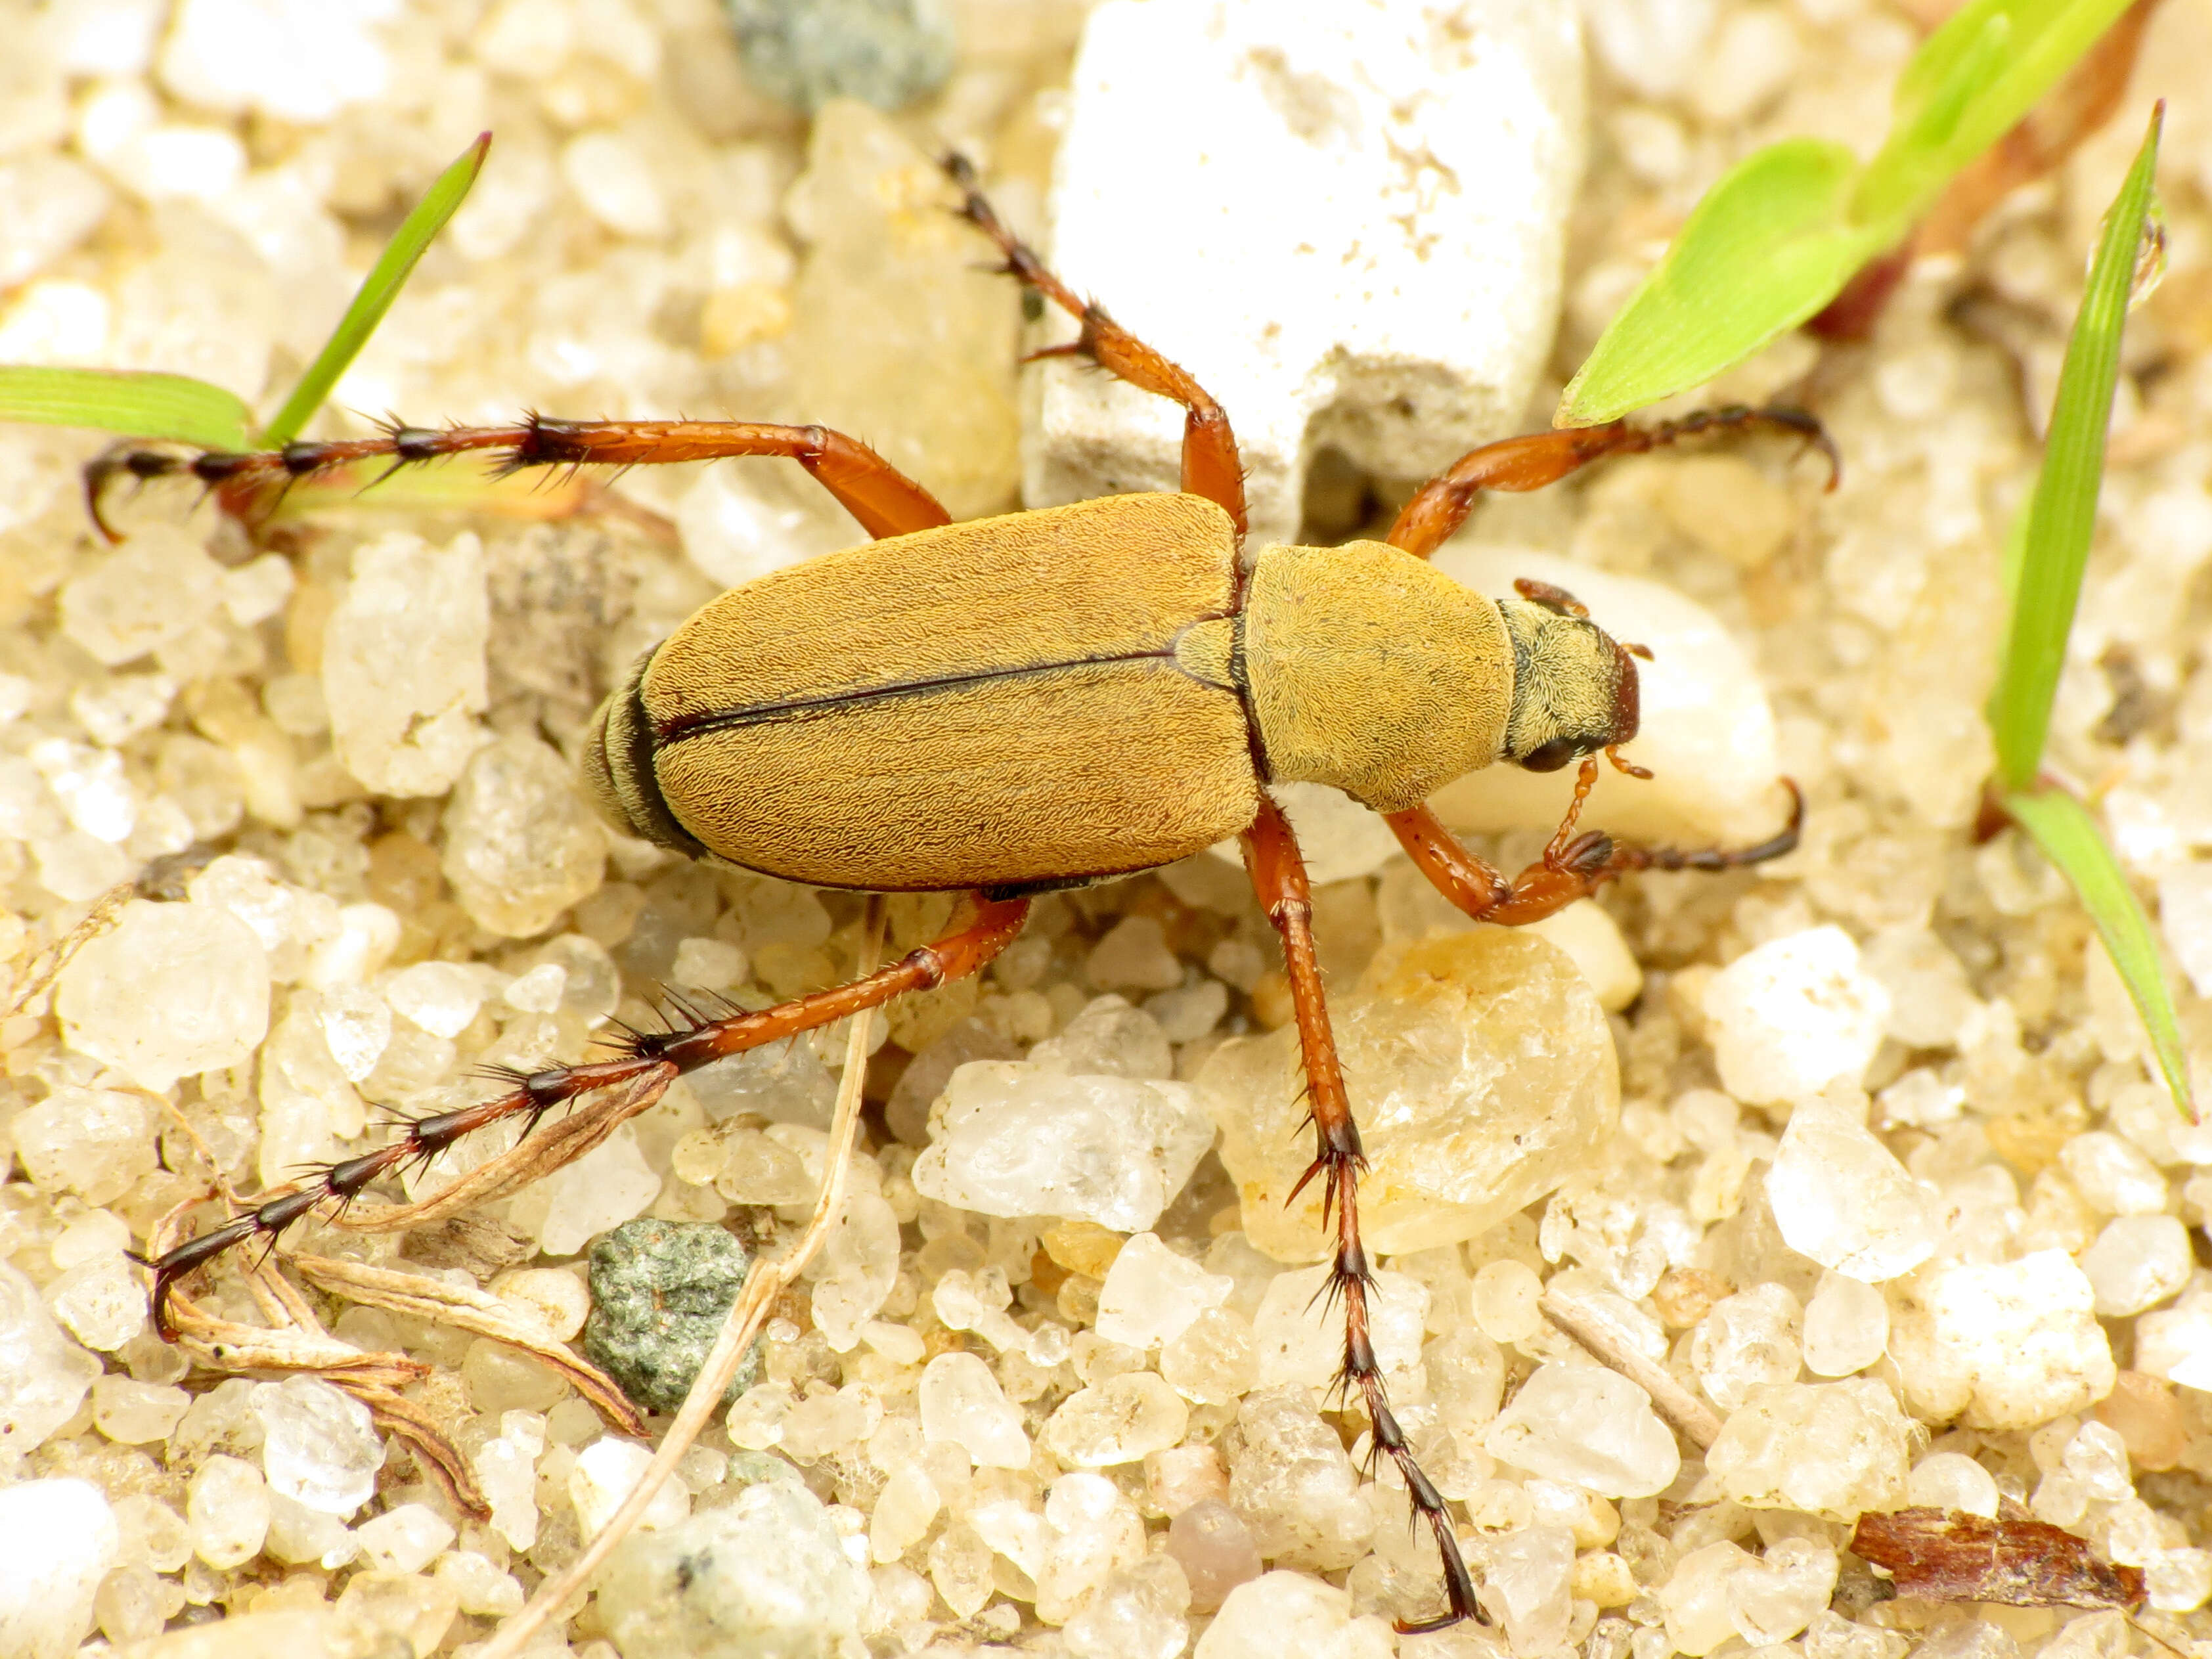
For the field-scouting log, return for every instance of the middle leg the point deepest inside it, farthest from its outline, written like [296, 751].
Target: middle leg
[1278, 876]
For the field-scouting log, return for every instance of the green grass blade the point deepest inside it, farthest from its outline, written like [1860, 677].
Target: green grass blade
[2063, 511]
[137, 404]
[1967, 85]
[377, 290]
[1765, 249]
[2062, 828]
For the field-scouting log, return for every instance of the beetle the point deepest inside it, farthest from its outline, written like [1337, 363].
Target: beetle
[1046, 699]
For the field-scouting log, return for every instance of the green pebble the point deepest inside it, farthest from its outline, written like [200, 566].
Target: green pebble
[661, 1291]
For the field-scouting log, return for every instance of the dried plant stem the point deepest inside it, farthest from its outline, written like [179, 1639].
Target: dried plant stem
[767, 1281]
[1672, 1400]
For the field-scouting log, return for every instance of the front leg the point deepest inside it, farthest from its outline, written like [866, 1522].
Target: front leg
[1573, 866]
[1279, 877]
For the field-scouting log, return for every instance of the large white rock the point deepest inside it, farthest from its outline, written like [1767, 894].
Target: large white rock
[57, 1539]
[1345, 217]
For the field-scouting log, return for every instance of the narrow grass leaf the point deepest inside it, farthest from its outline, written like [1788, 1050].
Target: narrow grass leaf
[377, 290]
[1765, 249]
[2062, 828]
[2064, 510]
[137, 404]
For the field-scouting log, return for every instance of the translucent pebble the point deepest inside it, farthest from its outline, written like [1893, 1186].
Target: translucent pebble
[1299, 1333]
[1747, 1340]
[1215, 1359]
[319, 1446]
[48, 204]
[1952, 1480]
[1842, 1198]
[2003, 1345]
[712, 964]
[94, 1142]
[155, 587]
[1582, 1425]
[831, 1421]
[1846, 1326]
[961, 1402]
[1832, 1636]
[1151, 1295]
[1930, 995]
[521, 845]
[1695, 1597]
[1775, 1598]
[357, 1026]
[57, 1539]
[1529, 1571]
[228, 1505]
[538, 990]
[1133, 956]
[1119, 1421]
[45, 1375]
[298, 1535]
[404, 663]
[1189, 1012]
[171, 989]
[507, 1470]
[1012, 1139]
[1279, 1613]
[479, 1585]
[857, 1270]
[297, 60]
[1293, 1483]
[1212, 1544]
[904, 1509]
[134, 1414]
[1792, 1016]
[154, 1534]
[1482, 1073]
[101, 1301]
[2097, 1457]
[1506, 1295]
[2137, 1261]
[556, 1298]
[1137, 1614]
[605, 1188]
[2178, 1581]
[1833, 1450]
[402, 1611]
[1108, 1038]
[132, 1605]
[765, 1574]
[2112, 1174]
[605, 1473]
[440, 997]
[618, 184]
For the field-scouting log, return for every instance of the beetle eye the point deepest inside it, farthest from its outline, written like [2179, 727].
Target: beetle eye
[1550, 757]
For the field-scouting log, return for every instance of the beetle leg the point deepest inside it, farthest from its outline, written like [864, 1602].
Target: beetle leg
[1279, 877]
[1573, 866]
[1442, 505]
[647, 1061]
[1211, 466]
[250, 482]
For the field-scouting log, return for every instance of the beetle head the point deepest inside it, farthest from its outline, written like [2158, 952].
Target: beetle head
[1575, 687]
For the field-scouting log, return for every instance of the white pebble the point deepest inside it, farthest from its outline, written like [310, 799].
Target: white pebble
[300, 61]
[1846, 1326]
[1151, 1295]
[2137, 1261]
[405, 1540]
[404, 663]
[1793, 1016]
[2112, 1174]
[961, 1402]
[58, 1539]
[227, 1505]
[440, 997]
[1011, 1139]
[2005, 1345]
[171, 989]
[1952, 1480]
[1842, 1198]
[603, 1475]
[133, 1413]
[1587, 1426]
[1121, 1420]
[1282, 1613]
[1831, 1449]
[320, 1447]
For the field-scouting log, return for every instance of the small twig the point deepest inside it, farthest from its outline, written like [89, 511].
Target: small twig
[40, 970]
[1670, 1399]
[767, 1281]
